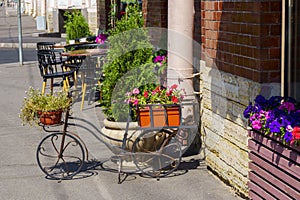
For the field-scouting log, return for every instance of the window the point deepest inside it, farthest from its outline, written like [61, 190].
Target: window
[292, 49]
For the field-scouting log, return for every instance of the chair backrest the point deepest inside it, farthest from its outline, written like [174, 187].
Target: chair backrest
[45, 45]
[45, 63]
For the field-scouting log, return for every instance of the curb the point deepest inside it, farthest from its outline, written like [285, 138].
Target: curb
[16, 45]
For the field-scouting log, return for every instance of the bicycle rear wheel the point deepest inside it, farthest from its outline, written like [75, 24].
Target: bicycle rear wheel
[162, 158]
[60, 156]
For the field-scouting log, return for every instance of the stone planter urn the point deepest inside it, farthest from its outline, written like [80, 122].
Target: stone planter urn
[113, 134]
[274, 168]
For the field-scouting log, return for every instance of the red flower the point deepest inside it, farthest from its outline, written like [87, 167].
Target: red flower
[296, 133]
[169, 93]
[146, 94]
[174, 86]
[175, 99]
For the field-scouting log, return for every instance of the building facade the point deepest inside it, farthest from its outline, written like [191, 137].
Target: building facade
[51, 12]
[248, 48]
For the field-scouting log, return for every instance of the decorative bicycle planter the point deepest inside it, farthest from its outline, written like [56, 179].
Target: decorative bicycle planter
[274, 168]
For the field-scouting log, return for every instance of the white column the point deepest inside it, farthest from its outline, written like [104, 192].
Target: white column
[180, 43]
[43, 7]
[35, 8]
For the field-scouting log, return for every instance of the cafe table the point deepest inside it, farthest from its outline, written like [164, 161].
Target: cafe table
[85, 52]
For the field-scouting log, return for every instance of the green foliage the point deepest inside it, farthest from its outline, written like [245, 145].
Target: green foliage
[76, 25]
[129, 63]
[35, 102]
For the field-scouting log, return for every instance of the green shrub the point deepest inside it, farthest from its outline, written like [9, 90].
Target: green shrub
[76, 25]
[130, 57]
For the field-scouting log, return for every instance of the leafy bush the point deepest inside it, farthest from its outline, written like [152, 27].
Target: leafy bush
[76, 25]
[129, 63]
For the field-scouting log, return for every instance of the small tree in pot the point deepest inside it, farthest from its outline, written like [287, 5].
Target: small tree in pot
[76, 25]
[129, 63]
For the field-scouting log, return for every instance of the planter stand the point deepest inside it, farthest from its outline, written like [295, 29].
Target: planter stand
[274, 168]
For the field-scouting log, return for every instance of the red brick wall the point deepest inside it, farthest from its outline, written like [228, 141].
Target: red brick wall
[103, 9]
[155, 13]
[243, 38]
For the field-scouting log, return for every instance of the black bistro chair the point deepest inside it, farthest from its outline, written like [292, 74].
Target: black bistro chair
[45, 45]
[51, 70]
[92, 76]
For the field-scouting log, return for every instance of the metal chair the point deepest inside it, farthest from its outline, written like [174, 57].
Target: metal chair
[91, 76]
[45, 45]
[50, 70]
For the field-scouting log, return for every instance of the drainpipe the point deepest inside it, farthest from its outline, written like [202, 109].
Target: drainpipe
[180, 43]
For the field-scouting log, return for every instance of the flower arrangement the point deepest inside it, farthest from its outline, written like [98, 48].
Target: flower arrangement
[277, 115]
[101, 38]
[155, 94]
[160, 59]
[36, 102]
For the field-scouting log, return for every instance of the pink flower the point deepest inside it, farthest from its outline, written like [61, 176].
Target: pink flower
[288, 106]
[256, 124]
[267, 114]
[136, 102]
[101, 38]
[135, 91]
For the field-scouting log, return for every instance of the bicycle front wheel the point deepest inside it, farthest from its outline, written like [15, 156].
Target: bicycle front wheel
[162, 158]
[60, 156]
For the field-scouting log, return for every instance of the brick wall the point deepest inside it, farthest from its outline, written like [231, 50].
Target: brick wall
[103, 9]
[155, 13]
[243, 37]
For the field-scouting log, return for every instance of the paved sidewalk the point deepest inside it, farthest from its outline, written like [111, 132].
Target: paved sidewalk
[9, 34]
[20, 177]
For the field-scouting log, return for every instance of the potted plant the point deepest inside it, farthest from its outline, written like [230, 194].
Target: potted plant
[76, 26]
[46, 109]
[274, 148]
[156, 105]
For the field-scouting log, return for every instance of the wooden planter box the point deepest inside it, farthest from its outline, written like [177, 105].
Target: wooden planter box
[274, 168]
[159, 117]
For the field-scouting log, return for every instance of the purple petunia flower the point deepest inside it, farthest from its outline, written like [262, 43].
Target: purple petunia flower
[248, 110]
[101, 38]
[276, 115]
[260, 100]
[274, 126]
[288, 136]
[287, 106]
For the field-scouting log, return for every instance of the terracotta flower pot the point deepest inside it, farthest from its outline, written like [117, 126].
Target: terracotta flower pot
[159, 117]
[50, 117]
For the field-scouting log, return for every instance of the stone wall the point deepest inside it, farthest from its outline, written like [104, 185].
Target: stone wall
[223, 127]
[92, 20]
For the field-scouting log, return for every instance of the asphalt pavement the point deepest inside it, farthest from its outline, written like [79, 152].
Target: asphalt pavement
[20, 176]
